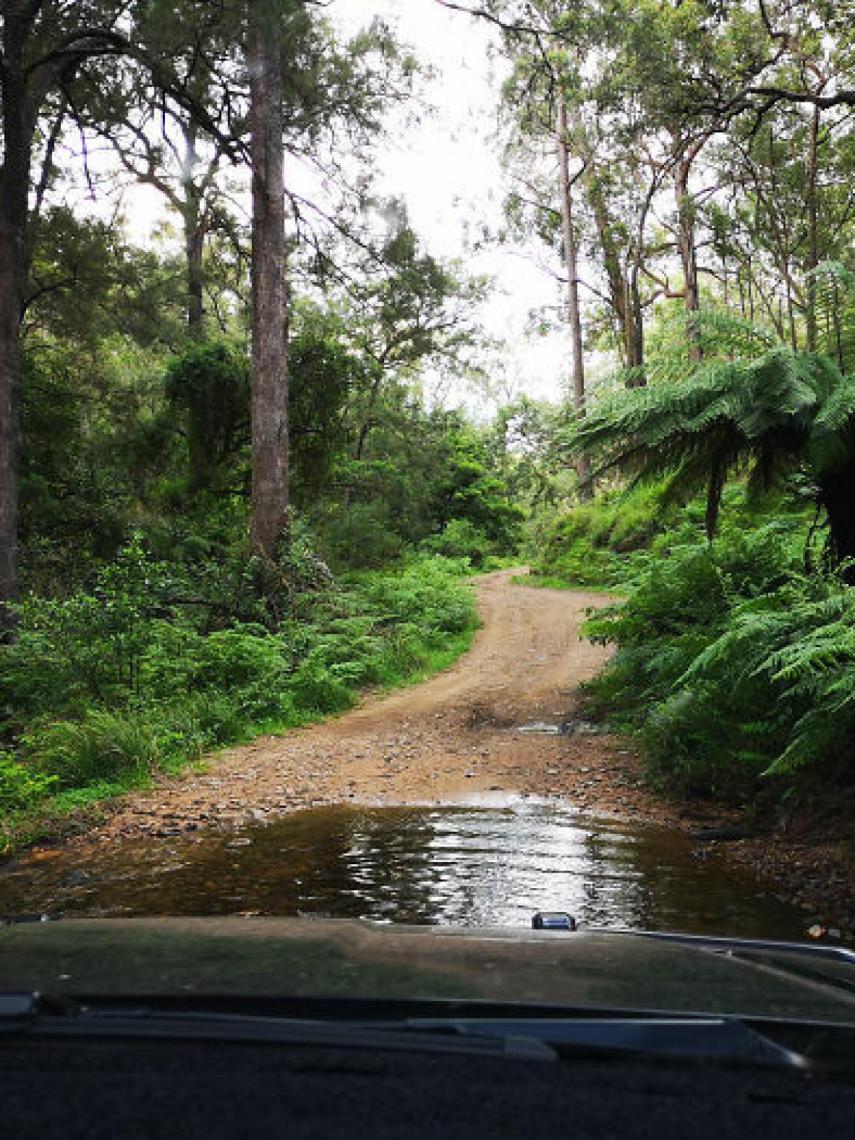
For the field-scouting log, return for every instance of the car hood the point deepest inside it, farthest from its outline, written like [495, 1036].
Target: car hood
[345, 958]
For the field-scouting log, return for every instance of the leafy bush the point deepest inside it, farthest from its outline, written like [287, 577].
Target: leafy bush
[698, 641]
[426, 593]
[317, 689]
[20, 787]
[460, 538]
[361, 536]
[89, 647]
[106, 689]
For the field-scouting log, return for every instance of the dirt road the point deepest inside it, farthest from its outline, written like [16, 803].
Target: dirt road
[463, 734]
[466, 735]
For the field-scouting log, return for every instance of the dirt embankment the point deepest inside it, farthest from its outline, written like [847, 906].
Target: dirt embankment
[472, 732]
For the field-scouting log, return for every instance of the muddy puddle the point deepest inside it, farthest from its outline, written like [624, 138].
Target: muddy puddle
[473, 865]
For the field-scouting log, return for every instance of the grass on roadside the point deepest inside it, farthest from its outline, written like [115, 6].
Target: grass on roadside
[550, 582]
[194, 693]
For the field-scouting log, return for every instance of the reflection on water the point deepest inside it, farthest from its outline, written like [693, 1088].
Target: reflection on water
[474, 866]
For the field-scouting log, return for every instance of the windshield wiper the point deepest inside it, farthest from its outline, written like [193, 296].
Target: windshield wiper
[712, 1038]
[518, 1035]
[37, 1016]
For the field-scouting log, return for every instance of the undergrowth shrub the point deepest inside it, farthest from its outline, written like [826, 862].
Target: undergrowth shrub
[584, 545]
[89, 647]
[317, 689]
[103, 745]
[82, 718]
[424, 592]
[612, 540]
[19, 786]
[798, 644]
[460, 538]
[733, 664]
[361, 536]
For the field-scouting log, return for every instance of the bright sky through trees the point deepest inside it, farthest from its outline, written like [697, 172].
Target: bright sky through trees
[447, 167]
[443, 158]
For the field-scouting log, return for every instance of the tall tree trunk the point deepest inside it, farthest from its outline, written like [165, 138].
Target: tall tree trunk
[635, 329]
[10, 372]
[194, 245]
[750, 288]
[688, 253]
[194, 238]
[583, 465]
[791, 312]
[715, 490]
[18, 130]
[812, 205]
[839, 348]
[618, 291]
[624, 297]
[269, 361]
[368, 419]
[198, 457]
[836, 494]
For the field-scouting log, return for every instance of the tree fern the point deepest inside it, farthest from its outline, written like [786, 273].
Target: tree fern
[768, 415]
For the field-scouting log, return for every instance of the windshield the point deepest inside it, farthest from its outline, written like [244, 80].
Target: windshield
[426, 466]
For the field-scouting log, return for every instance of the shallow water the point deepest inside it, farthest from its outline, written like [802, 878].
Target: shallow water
[474, 865]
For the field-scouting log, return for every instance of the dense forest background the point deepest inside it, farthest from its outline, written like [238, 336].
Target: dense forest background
[228, 507]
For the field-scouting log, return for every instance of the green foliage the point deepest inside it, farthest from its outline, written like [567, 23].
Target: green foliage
[460, 538]
[834, 288]
[361, 535]
[20, 787]
[584, 546]
[210, 384]
[87, 647]
[103, 745]
[798, 642]
[734, 666]
[324, 372]
[720, 337]
[318, 689]
[110, 686]
[768, 415]
[420, 472]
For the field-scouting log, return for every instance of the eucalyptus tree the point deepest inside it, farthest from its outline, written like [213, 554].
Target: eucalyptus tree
[791, 164]
[329, 88]
[406, 310]
[87, 63]
[49, 49]
[355, 98]
[620, 73]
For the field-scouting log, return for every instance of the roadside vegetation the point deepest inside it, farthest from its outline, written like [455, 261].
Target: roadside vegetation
[113, 684]
[735, 652]
[697, 207]
[236, 485]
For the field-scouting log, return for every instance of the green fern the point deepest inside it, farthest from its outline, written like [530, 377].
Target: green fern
[768, 415]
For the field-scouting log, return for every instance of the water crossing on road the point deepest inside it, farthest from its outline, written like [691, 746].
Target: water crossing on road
[471, 865]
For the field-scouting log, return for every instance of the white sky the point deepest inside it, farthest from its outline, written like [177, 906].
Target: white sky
[448, 171]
